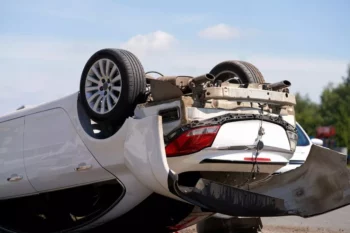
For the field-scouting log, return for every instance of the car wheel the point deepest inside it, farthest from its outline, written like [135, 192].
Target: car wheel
[237, 72]
[231, 225]
[111, 84]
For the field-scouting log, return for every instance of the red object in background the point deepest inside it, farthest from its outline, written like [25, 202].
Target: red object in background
[325, 131]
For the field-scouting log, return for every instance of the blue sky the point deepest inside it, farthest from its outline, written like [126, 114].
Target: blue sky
[45, 44]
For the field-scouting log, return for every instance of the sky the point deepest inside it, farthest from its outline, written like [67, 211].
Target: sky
[44, 45]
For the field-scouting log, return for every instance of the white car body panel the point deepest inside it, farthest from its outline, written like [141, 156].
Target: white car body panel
[11, 160]
[192, 162]
[287, 168]
[119, 150]
[145, 170]
[54, 152]
[147, 159]
[154, 111]
[108, 154]
[245, 133]
[240, 133]
[300, 154]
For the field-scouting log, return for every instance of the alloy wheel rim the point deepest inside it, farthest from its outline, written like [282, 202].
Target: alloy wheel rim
[103, 86]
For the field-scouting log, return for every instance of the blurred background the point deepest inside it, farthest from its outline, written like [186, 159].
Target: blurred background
[328, 120]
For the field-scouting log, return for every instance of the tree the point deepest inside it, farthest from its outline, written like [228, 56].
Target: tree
[347, 78]
[308, 114]
[335, 109]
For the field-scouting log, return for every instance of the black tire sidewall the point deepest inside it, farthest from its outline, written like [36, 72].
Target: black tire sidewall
[124, 105]
[230, 67]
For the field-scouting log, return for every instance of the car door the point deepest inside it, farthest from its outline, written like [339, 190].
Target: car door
[55, 156]
[13, 179]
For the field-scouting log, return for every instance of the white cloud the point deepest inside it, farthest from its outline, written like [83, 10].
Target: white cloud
[226, 32]
[220, 32]
[142, 45]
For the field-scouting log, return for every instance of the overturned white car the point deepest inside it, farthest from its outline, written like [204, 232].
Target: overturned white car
[134, 152]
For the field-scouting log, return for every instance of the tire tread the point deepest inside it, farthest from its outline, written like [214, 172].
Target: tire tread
[247, 72]
[134, 87]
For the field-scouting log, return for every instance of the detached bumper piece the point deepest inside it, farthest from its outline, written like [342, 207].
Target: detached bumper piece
[320, 185]
[224, 199]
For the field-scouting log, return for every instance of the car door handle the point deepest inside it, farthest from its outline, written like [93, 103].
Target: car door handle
[14, 178]
[83, 167]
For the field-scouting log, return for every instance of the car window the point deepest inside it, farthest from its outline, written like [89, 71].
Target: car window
[302, 138]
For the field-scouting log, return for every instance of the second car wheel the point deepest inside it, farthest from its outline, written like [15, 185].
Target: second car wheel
[237, 72]
[112, 81]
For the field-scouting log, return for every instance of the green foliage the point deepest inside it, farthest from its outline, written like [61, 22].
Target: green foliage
[308, 114]
[334, 110]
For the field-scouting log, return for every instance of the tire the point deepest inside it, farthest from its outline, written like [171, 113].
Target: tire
[243, 72]
[231, 225]
[111, 93]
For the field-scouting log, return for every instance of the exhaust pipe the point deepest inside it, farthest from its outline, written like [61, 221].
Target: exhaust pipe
[279, 85]
[202, 79]
[186, 82]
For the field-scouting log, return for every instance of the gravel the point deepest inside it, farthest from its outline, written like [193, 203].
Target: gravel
[284, 229]
[337, 221]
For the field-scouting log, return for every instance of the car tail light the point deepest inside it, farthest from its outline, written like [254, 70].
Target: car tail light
[192, 141]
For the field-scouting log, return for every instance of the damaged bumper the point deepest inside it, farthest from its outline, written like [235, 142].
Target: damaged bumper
[320, 185]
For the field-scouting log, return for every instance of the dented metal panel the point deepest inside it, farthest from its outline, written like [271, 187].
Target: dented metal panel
[164, 90]
[320, 185]
[234, 201]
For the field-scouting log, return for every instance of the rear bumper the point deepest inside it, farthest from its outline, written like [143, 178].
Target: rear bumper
[232, 159]
[219, 198]
[192, 163]
[320, 185]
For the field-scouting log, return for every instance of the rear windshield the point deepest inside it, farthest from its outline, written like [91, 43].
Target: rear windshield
[302, 138]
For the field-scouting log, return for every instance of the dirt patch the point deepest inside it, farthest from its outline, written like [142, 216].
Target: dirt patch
[189, 230]
[283, 229]
[286, 229]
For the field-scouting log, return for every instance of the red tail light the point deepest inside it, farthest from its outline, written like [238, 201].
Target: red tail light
[192, 141]
[257, 159]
